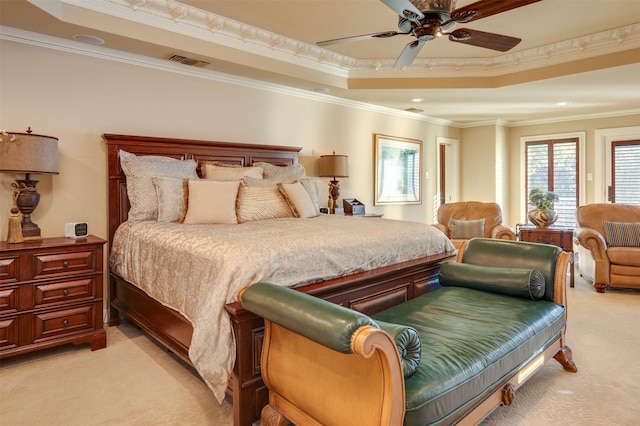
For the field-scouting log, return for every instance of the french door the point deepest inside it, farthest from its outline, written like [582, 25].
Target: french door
[624, 177]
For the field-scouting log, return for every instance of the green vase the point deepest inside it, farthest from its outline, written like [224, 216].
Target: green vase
[543, 217]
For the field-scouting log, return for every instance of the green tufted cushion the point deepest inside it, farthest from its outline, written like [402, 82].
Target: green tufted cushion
[516, 282]
[408, 343]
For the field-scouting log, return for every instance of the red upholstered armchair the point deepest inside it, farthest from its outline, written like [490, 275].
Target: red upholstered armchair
[464, 220]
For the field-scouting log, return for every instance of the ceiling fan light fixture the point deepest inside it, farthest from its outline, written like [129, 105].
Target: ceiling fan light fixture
[445, 6]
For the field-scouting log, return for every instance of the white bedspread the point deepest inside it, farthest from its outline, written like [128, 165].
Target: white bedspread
[197, 269]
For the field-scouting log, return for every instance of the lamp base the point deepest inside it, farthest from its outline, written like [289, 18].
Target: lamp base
[334, 194]
[27, 201]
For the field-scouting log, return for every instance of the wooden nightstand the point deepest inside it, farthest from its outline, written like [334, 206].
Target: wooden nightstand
[51, 294]
[561, 237]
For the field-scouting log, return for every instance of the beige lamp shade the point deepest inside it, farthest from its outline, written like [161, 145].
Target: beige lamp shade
[334, 166]
[28, 153]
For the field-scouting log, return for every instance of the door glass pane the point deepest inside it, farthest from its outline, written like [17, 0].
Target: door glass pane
[626, 172]
[565, 178]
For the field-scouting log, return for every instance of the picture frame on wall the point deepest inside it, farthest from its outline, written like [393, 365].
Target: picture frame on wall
[397, 170]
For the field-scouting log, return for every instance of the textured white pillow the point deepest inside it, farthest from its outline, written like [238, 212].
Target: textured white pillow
[212, 201]
[298, 198]
[282, 173]
[230, 172]
[172, 198]
[140, 171]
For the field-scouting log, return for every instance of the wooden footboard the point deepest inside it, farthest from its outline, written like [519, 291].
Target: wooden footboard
[368, 292]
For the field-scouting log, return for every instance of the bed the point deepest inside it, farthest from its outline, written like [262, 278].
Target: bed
[368, 291]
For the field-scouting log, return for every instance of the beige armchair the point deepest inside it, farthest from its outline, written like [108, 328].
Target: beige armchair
[462, 221]
[601, 259]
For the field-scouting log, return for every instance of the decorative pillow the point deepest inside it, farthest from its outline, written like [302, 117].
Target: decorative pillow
[251, 181]
[172, 198]
[221, 171]
[516, 282]
[212, 201]
[408, 343]
[310, 184]
[622, 234]
[466, 229]
[261, 202]
[140, 171]
[298, 199]
[282, 173]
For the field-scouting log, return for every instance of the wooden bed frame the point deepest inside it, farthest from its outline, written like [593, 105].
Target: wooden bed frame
[368, 292]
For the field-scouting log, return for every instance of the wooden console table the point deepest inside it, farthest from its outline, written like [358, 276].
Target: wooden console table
[557, 236]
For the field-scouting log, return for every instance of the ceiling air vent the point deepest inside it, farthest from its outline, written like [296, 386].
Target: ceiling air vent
[188, 61]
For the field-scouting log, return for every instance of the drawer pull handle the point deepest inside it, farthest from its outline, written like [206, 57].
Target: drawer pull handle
[65, 323]
[65, 264]
[545, 240]
[65, 292]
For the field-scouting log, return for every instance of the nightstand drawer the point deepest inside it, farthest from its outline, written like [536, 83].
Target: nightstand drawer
[8, 300]
[54, 323]
[9, 270]
[63, 263]
[63, 291]
[8, 333]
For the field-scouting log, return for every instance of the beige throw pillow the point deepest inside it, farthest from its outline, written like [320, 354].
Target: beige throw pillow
[212, 201]
[298, 198]
[282, 173]
[218, 171]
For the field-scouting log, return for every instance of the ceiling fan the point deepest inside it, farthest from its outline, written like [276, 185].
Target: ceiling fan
[428, 19]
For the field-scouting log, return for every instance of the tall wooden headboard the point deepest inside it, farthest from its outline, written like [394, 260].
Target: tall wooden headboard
[184, 149]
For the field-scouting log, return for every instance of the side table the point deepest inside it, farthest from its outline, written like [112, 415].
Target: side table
[51, 294]
[557, 236]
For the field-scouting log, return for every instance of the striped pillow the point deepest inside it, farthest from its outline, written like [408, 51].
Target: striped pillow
[261, 203]
[622, 234]
[466, 229]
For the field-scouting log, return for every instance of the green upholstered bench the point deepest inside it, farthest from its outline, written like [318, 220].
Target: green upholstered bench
[452, 355]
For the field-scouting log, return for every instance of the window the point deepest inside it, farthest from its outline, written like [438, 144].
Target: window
[552, 165]
[625, 167]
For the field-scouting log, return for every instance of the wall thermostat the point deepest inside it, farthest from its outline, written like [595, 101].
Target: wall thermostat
[76, 230]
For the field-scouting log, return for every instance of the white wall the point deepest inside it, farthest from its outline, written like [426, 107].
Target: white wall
[77, 97]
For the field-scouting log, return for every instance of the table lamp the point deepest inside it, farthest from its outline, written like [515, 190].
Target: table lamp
[28, 153]
[334, 166]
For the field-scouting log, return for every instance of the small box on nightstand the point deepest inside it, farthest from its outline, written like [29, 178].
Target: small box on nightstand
[353, 207]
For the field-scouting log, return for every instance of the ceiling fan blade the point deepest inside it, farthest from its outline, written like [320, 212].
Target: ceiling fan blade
[385, 34]
[405, 9]
[483, 8]
[409, 54]
[492, 41]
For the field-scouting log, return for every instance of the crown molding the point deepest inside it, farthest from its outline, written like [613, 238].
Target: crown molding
[176, 17]
[105, 53]
[590, 46]
[101, 52]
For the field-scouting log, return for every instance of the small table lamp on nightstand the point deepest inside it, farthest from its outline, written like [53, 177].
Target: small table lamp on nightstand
[28, 153]
[334, 166]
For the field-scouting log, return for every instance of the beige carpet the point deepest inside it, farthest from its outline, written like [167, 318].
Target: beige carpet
[135, 382]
